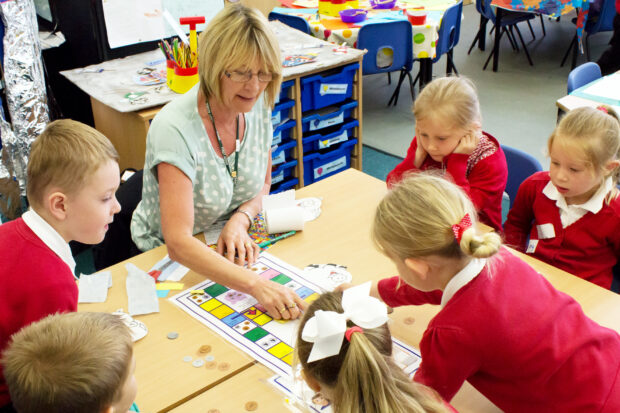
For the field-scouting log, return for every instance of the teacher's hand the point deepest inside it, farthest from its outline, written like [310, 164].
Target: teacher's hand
[278, 300]
[234, 242]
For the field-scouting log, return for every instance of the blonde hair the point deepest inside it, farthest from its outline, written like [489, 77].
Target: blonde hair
[451, 100]
[415, 219]
[65, 155]
[363, 376]
[595, 135]
[72, 362]
[236, 37]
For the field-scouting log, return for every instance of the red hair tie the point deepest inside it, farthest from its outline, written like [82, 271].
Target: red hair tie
[603, 109]
[459, 228]
[351, 330]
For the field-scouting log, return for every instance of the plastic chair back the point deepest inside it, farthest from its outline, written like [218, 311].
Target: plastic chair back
[295, 22]
[521, 165]
[484, 8]
[450, 30]
[394, 35]
[604, 23]
[582, 75]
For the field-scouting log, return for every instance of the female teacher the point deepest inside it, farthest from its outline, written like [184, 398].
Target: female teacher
[208, 157]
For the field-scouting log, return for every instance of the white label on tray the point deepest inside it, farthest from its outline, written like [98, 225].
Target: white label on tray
[275, 119]
[278, 178]
[330, 167]
[337, 139]
[333, 89]
[320, 124]
[279, 158]
[277, 138]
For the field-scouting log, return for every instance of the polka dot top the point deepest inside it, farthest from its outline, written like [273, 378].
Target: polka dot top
[177, 136]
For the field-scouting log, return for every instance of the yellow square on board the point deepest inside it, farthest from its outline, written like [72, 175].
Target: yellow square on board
[280, 350]
[210, 305]
[262, 319]
[222, 311]
[311, 297]
[252, 313]
[288, 359]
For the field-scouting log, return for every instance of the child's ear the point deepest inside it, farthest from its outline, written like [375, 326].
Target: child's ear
[612, 165]
[108, 409]
[311, 381]
[56, 204]
[419, 266]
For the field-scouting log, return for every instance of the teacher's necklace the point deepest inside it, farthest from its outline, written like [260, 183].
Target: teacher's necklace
[231, 171]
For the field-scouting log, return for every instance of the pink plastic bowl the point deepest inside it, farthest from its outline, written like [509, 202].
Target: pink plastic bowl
[353, 15]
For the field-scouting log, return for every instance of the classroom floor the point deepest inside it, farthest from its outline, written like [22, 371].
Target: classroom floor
[517, 102]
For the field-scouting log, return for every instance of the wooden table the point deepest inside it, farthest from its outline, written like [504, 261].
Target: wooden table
[340, 235]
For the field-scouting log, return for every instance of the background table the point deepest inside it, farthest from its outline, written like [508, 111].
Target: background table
[340, 235]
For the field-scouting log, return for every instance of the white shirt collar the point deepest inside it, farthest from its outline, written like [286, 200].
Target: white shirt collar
[471, 271]
[594, 204]
[50, 237]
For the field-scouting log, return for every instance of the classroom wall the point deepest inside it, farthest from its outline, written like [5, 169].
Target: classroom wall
[264, 6]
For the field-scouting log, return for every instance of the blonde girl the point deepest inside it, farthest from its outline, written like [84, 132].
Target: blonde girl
[571, 214]
[501, 326]
[361, 376]
[449, 137]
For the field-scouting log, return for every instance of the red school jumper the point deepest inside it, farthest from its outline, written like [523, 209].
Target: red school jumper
[524, 345]
[35, 283]
[587, 248]
[482, 175]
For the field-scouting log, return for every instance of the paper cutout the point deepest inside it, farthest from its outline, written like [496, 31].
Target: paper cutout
[141, 293]
[93, 288]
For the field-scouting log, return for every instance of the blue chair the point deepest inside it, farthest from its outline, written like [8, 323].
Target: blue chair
[582, 75]
[509, 22]
[521, 165]
[295, 22]
[602, 22]
[393, 35]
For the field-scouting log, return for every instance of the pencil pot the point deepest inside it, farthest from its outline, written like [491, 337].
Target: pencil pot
[169, 72]
[184, 78]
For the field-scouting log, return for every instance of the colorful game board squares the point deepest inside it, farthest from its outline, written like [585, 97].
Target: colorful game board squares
[288, 359]
[252, 313]
[268, 341]
[210, 305]
[262, 319]
[280, 350]
[269, 274]
[215, 290]
[281, 279]
[244, 327]
[255, 334]
[199, 298]
[233, 319]
[304, 292]
[311, 297]
[293, 285]
[222, 311]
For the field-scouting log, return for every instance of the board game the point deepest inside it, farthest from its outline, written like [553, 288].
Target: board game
[239, 319]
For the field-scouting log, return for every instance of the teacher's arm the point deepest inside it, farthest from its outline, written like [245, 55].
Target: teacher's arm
[234, 239]
[177, 222]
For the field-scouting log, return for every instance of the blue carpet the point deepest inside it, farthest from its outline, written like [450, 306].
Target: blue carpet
[378, 163]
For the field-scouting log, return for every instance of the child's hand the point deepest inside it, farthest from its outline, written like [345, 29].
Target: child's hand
[468, 143]
[420, 156]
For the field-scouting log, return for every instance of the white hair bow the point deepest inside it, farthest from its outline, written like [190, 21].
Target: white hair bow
[326, 329]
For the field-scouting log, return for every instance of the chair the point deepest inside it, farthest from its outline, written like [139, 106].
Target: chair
[582, 75]
[602, 22]
[295, 22]
[393, 35]
[521, 165]
[509, 22]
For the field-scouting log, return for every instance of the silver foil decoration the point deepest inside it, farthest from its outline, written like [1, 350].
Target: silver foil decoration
[24, 82]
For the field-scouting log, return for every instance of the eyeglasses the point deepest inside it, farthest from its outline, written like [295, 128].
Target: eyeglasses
[242, 77]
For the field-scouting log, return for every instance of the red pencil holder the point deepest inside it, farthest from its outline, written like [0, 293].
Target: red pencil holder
[184, 78]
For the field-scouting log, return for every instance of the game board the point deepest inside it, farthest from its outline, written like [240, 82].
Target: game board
[239, 319]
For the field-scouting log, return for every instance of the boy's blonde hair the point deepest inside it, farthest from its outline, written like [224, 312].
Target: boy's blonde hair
[65, 155]
[236, 37]
[415, 220]
[452, 100]
[592, 135]
[363, 376]
[73, 362]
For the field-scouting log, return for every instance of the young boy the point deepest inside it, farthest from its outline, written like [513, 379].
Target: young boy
[73, 175]
[73, 362]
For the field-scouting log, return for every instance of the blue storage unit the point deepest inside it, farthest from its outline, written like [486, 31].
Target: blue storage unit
[319, 165]
[283, 153]
[284, 89]
[325, 118]
[283, 186]
[319, 91]
[281, 112]
[329, 137]
[283, 172]
[282, 132]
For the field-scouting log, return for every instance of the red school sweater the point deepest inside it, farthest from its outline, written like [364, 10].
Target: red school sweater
[588, 248]
[524, 345]
[482, 175]
[34, 282]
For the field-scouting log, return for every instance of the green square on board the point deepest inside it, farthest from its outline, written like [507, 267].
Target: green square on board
[255, 334]
[281, 279]
[215, 290]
